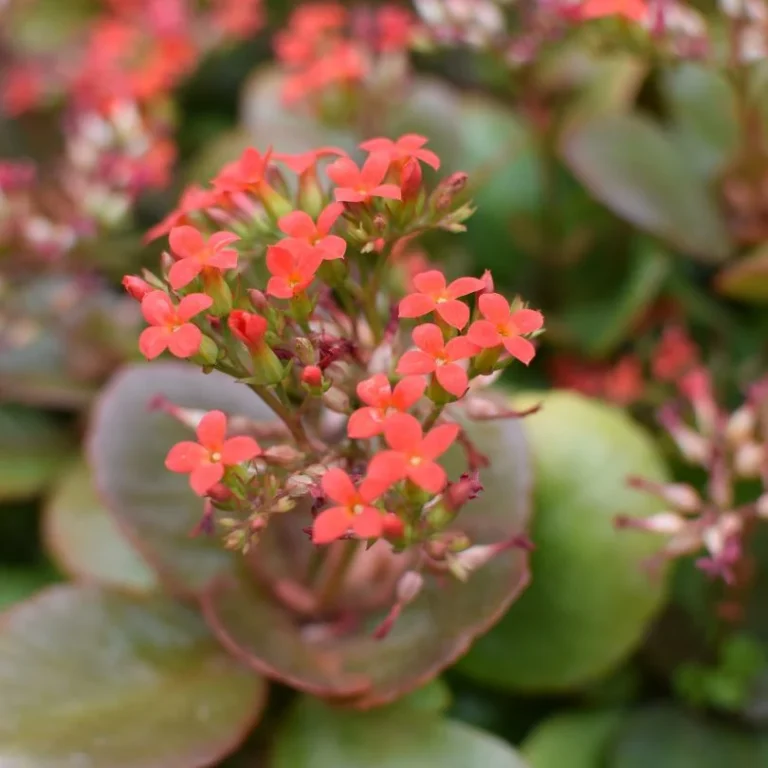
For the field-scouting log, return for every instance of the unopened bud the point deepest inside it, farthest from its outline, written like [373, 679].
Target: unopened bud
[392, 526]
[664, 522]
[741, 425]
[464, 563]
[697, 387]
[312, 378]
[680, 496]
[219, 493]
[189, 417]
[299, 485]
[136, 287]
[748, 459]
[761, 506]
[408, 586]
[282, 455]
[410, 179]
[283, 504]
[336, 400]
[258, 299]
[487, 279]
[166, 262]
[208, 352]
[693, 446]
[305, 351]
[466, 488]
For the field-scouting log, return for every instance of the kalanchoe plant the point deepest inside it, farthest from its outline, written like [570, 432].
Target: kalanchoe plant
[339, 386]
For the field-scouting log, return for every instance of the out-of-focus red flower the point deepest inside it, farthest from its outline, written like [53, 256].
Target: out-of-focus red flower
[436, 356]
[406, 147]
[194, 254]
[247, 174]
[354, 511]
[306, 161]
[634, 10]
[170, 327]
[207, 460]
[193, 199]
[238, 19]
[355, 185]
[381, 402]
[674, 355]
[433, 295]
[412, 454]
[299, 226]
[394, 26]
[21, 89]
[292, 264]
[503, 327]
[136, 287]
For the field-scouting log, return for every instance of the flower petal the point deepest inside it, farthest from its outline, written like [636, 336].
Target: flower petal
[185, 456]
[349, 195]
[279, 261]
[328, 216]
[416, 305]
[331, 524]
[402, 432]
[377, 145]
[408, 391]
[332, 247]
[343, 172]
[279, 288]
[455, 313]
[389, 191]
[484, 334]
[494, 307]
[415, 362]
[384, 470]
[204, 477]
[428, 475]
[432, 281]
[212, 430]
[460, 348]
[193, 305]
[428, 157]
[438, 440]
[365, 423]
[338, 486]
[375, 390]
[429, 338]
[157, 307]
[219, 240]
[183, 272]
[154, 341]
[375, 169]
[236, 450]
[368, 524]
[223, 259]
[520, 348]
[527, 320]
[452, 378]
[463, 286]
[186, 242]
[297, 224]
[185, 340]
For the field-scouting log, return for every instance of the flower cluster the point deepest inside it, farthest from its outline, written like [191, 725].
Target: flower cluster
[328, 50]
[283, 274]
[731, 449]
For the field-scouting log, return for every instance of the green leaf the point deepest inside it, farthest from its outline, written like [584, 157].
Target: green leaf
[318, 736]
[590, 599]
[634, 168]
[665, 737]
[433, 630]
[19, 583]
[703, 110]
[572, 739]
[94, 679]
[33, 449]
[84, 538]
[127, 448]
[746, 279]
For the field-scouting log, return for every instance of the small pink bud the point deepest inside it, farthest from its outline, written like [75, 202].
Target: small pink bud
[312, 377]
[392, 526]
[410, 179]
[282, 455]
[136, 287]
[663, 522]
[680, 496]
[761, 506]
[741, 425]
[408, 586]
[748, 459]
[258, 299]
[697, 387]
[693, 446]
[487, 278]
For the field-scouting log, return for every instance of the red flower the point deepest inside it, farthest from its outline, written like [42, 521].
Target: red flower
[434, 296]
[247, 327]
[356, 185]
[193, 199]
[435, 356]
[634, 10]
[299, 225]
[247, 174]
[406, 147]
[136, 288]
[194, 254]
[206, 460]
[382, 402]
[504, 327]
[171, 328]
[305, 161]
[413, 454]
[354, 510]
[292, 265]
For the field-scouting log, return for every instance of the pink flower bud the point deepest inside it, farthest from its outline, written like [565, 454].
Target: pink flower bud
[663, 522]
[487, 278]
[312, 377]
[408, 586]
[136, 287]
[410, 179]
[761, 507]
[691, 445]
[748, 459]
[741, 425]
[697, 387]
[247, 327]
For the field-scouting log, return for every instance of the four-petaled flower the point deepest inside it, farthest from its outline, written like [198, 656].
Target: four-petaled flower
[206, 460]
[354, 510]
[194, 254]
[502, 326]
[247, 174]
[382, 402]
[298, 225]
[355, 185]
[634, 10]
[434, 296]
[170, 327]
[292, 265]
[306, 161]
[406, 147]
[436, 356]
[412, 454]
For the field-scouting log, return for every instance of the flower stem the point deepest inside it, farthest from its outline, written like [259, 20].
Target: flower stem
[294, 424]
[337, 562]
[433, 417]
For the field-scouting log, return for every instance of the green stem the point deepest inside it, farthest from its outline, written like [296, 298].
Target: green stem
[294, 425]
[338, 559]
[433, 417]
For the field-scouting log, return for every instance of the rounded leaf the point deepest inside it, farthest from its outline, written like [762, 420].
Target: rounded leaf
[590, 598]
[33, 449]
[128, 443]
[92, 678]
[572, 739]
[85, 539]
[317, 736]
[635, 169]
[433, 630]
